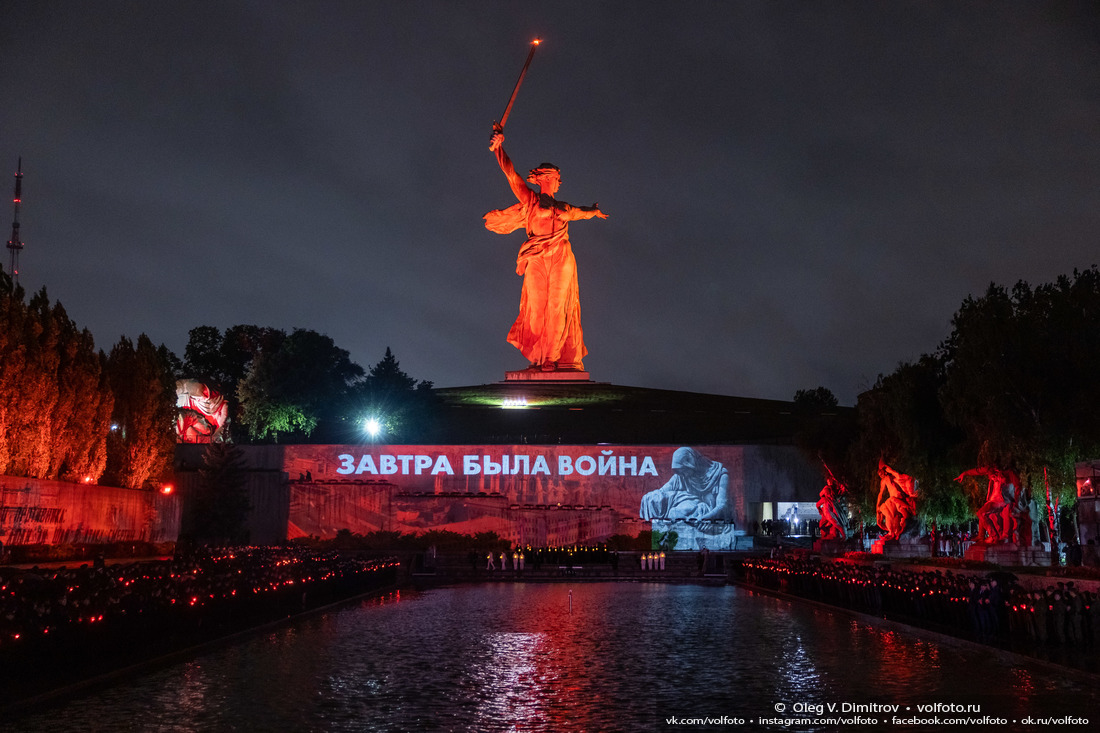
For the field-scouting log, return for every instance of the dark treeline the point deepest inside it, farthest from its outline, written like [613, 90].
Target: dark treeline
[301, 387]
[1013, 386]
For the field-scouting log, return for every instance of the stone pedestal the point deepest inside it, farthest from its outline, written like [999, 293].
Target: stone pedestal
[901, 549]
[830, 547]
[535, 375]
[1009, 555]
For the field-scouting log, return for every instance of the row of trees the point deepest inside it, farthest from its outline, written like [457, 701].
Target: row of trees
[70, 412]
[1015, 385]
[302, 387]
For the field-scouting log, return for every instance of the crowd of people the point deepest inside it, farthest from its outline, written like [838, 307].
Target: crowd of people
[76, 618]
[994, 607]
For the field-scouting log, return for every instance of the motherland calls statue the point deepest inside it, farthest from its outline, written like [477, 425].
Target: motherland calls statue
[548, 328]
[897, 501]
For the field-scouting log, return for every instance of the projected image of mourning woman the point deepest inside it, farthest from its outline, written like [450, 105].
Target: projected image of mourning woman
[698, 491]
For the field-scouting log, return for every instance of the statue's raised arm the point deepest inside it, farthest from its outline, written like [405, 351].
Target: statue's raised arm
[522, 191]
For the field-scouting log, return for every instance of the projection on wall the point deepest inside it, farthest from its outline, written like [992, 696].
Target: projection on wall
[551, 495]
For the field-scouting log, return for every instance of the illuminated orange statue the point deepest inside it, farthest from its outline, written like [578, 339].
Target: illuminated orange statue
[996, 520]
[548, 329]
[897, 501]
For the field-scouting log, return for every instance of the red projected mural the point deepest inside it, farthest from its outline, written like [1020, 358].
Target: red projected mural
[40, 512]
[541, 495]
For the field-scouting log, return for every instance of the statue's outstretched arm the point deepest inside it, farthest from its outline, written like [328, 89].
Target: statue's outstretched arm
[585, 212]
[979, 471]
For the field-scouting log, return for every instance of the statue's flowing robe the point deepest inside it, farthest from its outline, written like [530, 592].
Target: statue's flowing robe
[548, 327]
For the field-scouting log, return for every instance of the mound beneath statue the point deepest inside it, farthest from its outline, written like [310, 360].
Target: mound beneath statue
[567, 407]
[1009, 555]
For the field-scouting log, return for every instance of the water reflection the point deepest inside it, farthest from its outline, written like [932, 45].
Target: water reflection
[802, 679]
[515, 684]
[507, 657]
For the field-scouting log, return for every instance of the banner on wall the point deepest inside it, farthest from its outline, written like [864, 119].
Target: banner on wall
[693, 497]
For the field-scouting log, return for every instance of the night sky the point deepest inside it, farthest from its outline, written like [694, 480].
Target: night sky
[800, 194]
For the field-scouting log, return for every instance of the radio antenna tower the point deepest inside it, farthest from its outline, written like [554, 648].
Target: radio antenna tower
[15, 245]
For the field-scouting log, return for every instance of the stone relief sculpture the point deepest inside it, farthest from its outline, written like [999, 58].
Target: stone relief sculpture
[997, 517]
[897, 501]
[832, 524]
[1027, 519]
[548, 329]
[201, 412]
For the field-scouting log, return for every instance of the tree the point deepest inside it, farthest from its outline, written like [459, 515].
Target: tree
[83, 412]
[824, 430]
[37, 390]
[219, 505]
[1021, 377]
[289, 391]
[901, 422]
[141, 443]
[203, 358]
[399, 402]
[54, 402]
[221, 361]
[819, 398]
[387, 376]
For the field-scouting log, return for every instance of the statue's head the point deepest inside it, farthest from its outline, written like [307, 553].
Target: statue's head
[683, 459]
[690, 462]
[547, 177]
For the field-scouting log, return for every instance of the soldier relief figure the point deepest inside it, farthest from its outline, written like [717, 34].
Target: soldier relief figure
[548, 329]
[832, 523]
[896, 503]
[999, 516]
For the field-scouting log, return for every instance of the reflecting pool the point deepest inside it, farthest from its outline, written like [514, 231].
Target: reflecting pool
[581, 657]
